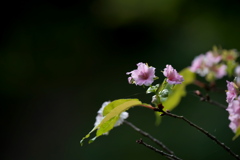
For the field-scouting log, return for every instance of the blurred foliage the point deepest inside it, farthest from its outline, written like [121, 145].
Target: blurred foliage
[60, 61]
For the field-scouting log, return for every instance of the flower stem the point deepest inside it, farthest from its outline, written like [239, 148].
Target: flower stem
[149, 106]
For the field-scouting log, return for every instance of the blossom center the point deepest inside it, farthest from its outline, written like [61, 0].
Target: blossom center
[143, 76]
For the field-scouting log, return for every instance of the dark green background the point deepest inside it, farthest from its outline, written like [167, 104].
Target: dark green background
[61, 61]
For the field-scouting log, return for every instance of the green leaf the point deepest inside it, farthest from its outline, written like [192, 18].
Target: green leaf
[88, 135]
[106, 127]
[113, 105]
[158, 118]
[236, 134]
[179, 90]
[112, 112]
[188, 76]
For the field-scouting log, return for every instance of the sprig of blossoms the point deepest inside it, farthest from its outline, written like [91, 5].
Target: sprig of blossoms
[209, 65]
[231, 91]
[100, 117]
[143, 75]
[172, 78]
[233, 108]
[215, 64]
[234, 114]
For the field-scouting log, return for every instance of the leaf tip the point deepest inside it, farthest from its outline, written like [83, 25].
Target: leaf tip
[235, 137]
[236, 134]
[91, 140]
[81, 142]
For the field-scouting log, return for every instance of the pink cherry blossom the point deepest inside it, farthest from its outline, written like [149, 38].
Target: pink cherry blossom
[209, 65]
[231, 91]
[172, 75]
[211, 59]
[234, 114]
[143, 75]
[197, 63]
[221, 71]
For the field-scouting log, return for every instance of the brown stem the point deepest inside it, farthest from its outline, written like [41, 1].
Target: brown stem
[149, 136]
[211, 86]
[200, 84]
[149, 106]
[207, 98]
[160, 109]
[205, 132]
[140, 141]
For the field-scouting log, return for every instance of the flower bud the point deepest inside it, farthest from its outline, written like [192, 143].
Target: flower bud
[237, 81]
[237, 71]
[155, 100]
[164, 93]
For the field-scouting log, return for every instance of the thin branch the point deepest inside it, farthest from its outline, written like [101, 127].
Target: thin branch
[201, 84]
[160, 109]
[149, 136]
[217, 104]
[173, 157]
[207, 98]
[205, 132]
[208, 87]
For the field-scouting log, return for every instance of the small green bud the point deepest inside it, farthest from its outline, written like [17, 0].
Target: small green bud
[164, 93]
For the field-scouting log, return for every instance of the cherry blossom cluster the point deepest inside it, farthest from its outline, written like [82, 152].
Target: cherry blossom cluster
[209, 65]
[145, 75]
[214, 64]
[233, 99]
